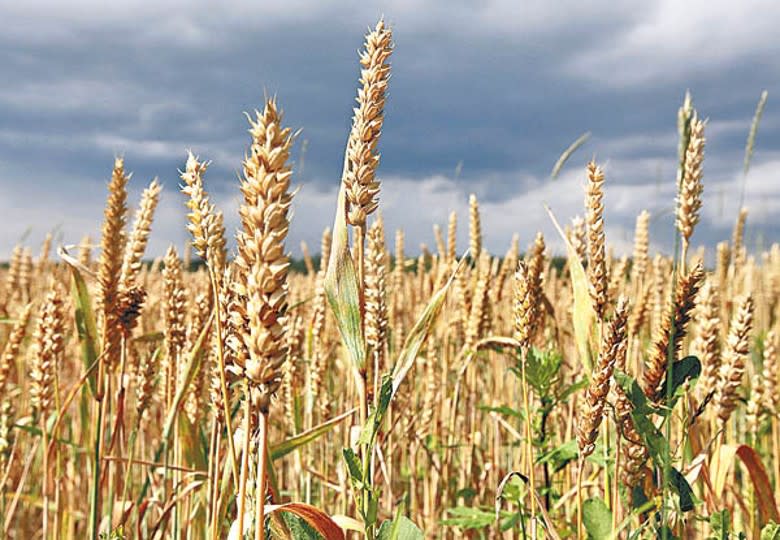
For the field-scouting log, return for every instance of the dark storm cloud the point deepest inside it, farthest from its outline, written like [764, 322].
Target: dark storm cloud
[502, 88]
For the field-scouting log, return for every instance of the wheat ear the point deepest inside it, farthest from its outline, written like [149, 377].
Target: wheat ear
[612, 351]
[597, 265]
[671, 334]
[109, 273]
[139, 236]
[734, 357]
[362, 158]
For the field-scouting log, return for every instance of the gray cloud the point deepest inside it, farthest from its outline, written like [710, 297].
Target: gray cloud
[502, 87]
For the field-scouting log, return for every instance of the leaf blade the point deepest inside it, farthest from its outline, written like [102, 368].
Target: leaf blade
[342, 288]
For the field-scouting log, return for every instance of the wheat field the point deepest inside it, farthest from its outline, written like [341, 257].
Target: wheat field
[217, 393]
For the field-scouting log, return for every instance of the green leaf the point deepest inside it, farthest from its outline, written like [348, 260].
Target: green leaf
[599, 457]
[666, 533]
[582, 139]
[560, 456]
[583, 314]
[400, 528]
[512, 488]
[720, 525]
[291, 444]
[541, 369]
[35, 430]
[85, 324]
[467, 493]
[771, 531]
[638, 497]
[651, 436]
[116, 534]
[374, 421]
[373, 510]
[572, 388]
[597, 519]
[316, 518]
[299, 529]
[680, 485]
[151, 337]
[420, 330]
[504, 410]
[191, 367]
[194, 452]
[634, 393]
[353, 466]
[342, 288]
[767, 507]
[685, 370]
[469, 518]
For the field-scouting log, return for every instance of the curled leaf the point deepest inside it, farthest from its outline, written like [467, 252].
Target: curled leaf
[584, 315]
[342, 288]
[316, 518]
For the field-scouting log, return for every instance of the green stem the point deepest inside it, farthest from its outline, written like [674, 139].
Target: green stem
[222, 379]
[262, 454]
[244, 463]
[128, 469]
[94, 508]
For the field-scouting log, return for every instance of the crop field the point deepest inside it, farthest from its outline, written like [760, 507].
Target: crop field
[220, 393]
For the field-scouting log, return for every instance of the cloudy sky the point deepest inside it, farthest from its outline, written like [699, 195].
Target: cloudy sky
[499, 87]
